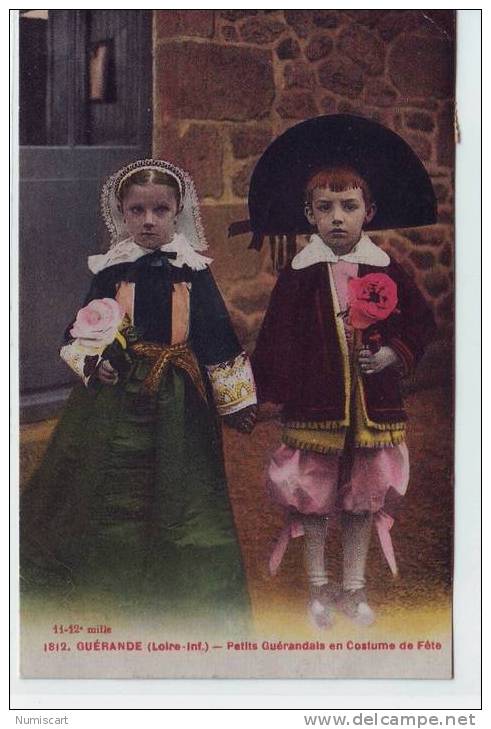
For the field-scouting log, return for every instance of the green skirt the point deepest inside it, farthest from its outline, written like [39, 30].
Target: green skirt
[130, 502]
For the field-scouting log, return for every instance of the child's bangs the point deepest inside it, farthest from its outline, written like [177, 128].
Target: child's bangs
[338, 179]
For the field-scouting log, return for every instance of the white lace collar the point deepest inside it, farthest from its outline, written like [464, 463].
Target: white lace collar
[128, 251]
[316, 251]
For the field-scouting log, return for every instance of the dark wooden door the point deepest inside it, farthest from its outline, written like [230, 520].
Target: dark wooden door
[85, 110]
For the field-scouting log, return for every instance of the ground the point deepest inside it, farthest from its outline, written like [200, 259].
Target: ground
[422, 534]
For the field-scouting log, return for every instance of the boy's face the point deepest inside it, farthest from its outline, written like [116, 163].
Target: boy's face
[339, 217]
[149, 213]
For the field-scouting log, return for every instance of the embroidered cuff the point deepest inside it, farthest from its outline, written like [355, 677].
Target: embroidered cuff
[82, 358]
[233, 384]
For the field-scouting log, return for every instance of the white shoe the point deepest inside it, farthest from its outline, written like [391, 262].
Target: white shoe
[322, 605]
[353, 603]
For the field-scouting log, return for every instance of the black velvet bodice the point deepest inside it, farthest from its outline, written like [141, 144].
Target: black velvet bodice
[211, 334]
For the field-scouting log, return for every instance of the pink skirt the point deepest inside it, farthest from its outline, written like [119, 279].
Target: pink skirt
[304, 482]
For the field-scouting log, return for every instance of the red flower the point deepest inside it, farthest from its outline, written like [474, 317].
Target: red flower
[371, 298]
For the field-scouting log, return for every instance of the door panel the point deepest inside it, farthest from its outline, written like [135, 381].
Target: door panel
[59, 185]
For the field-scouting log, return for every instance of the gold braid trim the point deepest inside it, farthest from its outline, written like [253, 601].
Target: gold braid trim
[315, 424]
[396, 438]
[333, 442]
[316, 441]
[387, 427]
[162, 356]
[329, 439]
[347, 370]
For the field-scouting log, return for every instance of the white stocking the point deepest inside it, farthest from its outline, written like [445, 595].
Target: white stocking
[356, 530]
[315, 528]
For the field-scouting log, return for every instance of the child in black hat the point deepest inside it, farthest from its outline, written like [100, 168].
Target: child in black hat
[343, 324]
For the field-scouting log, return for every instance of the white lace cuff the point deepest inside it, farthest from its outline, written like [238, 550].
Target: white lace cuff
[83, 358]
[233, 384]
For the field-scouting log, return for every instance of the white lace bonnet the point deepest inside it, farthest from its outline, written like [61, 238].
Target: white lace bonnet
[188, 221]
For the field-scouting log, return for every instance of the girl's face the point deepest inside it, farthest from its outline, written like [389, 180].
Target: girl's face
[149, 213]
[339, 217]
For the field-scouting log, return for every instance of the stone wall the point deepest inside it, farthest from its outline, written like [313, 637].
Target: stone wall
[226, 82]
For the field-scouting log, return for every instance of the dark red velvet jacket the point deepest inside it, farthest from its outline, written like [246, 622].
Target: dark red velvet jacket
[298, 361]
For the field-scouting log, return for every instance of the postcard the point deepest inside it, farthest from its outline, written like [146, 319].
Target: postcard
[236, 291]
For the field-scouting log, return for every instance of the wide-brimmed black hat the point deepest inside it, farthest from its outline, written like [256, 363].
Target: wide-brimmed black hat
[398, 181]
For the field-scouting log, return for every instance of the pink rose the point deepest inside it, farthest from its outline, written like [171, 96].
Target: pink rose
[99, 321]
[371, 298]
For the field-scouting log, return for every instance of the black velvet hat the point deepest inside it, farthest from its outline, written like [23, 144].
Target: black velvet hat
[398, 181]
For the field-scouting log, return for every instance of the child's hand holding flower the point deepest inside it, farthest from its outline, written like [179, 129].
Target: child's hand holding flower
[106, 373]
[372, 298]
[373, 362]
[97, 327]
